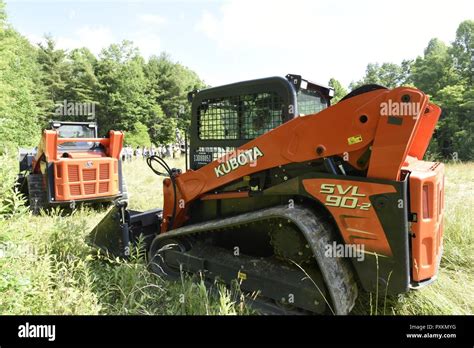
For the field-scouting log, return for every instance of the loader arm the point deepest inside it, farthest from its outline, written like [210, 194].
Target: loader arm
[350, 129]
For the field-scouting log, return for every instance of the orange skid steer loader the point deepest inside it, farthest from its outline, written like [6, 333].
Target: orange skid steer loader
[72, 165]
[281, 184]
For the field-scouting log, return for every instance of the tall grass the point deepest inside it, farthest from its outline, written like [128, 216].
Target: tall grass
[145, 188]
[47, 268]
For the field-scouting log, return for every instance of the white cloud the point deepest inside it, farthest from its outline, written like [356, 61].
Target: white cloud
[152, 19]
[35, 39]
[148, 43]
[147, 38]
[265, 23]
[325, 39]
[94, 38]
[98, 38]
[71, 14]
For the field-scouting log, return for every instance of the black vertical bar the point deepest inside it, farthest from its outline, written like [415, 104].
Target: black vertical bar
[186, 149]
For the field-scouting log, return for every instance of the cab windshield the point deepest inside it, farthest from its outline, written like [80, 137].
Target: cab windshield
[76, 131]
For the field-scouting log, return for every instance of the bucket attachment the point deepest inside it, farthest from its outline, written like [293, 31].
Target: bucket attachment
[121, 229]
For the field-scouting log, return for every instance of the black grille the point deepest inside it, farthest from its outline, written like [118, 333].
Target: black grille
[310, 102]
[240, 117]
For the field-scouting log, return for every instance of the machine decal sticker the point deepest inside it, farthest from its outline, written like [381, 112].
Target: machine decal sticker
[343, 196]
[354, 140]
[237, 160]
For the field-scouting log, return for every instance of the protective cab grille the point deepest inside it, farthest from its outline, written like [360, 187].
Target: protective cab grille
[235, 118]
[240, 117]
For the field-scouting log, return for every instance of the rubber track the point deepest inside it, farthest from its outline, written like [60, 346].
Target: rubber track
[337, 272]
[36, 193]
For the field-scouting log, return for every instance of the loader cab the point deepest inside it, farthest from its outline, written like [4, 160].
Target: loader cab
[226, 117]
[75, 130]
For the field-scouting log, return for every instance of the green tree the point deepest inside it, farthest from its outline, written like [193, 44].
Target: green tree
[463, 51]
[129, 93]
[138, 135]
[164, 132]
[339, 91]
[83, 84]
[169, 84]
[19, 92]
[456, 125]
[389, 75]
[435, 70]
[3, 15]
[55, 74]
[122, 88]
[443, 74]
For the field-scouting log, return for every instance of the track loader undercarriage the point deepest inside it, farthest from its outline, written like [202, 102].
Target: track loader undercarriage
[245, 248]
[201, 248]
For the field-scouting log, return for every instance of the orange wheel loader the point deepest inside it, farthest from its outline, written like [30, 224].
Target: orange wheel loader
[72, 165]
[299, 201]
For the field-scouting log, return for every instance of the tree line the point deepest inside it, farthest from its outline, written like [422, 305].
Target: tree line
[145, 98]
[148, 98]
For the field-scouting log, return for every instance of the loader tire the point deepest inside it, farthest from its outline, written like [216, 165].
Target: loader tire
[36, 193]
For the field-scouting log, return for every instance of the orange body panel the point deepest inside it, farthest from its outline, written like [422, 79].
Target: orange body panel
[427, 202]
[85, 178]
[414, 131]
[424, 132]
[350, 206]
[83, 174]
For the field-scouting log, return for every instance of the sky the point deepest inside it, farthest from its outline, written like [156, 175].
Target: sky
[235, 40]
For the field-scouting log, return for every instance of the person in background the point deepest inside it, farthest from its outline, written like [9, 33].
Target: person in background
[160, 151]
[145, 152]
[138, 152]
[129, 153]
[176, 151]
[123, 153]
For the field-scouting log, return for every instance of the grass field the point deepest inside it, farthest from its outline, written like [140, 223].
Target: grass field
[47, 268]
